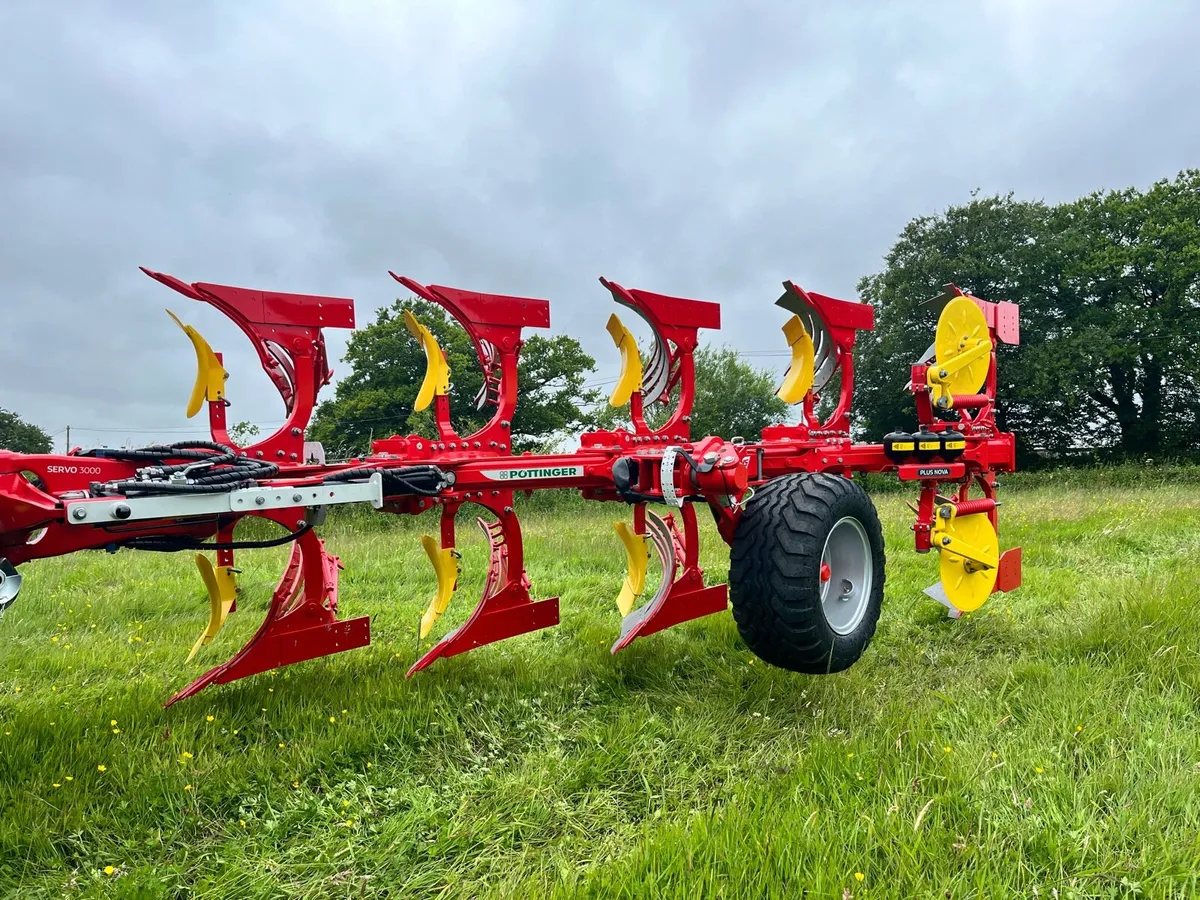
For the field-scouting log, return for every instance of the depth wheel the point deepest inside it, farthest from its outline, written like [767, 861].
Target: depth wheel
[806, 573]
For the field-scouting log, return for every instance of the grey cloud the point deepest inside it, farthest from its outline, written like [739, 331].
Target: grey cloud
[524, 148]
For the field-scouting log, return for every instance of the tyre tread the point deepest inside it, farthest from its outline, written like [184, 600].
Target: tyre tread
[774, 583]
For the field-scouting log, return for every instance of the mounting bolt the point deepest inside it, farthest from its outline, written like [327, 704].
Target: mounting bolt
[504, 446]
[279, 453]
[839, 459]
[942, 373]
[507, 510]
[292, 456]
[945, 542]
[258, 453]
[504, 423]
[492, 444]
[79, 513]
[122, 511]
[260, 500]
[296, 498]
[945, 512]
[477, 445]
[295, 432]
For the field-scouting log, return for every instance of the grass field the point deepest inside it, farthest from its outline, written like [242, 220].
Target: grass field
[1046, 746]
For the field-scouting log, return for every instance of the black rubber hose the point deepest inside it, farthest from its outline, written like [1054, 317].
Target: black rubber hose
[176, 543]
[222, 470]
[424, 481]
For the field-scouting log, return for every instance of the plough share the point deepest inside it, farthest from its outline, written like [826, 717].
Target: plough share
[807, 562]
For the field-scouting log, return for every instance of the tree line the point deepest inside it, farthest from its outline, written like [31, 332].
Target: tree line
[1109, 289]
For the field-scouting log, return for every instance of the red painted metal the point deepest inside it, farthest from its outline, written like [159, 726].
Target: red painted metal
[301, 623]
[506, 609]
[677, 321]
[686, 598]
[494, 323]
[287, 333]
[1008, 576]
[285, 330]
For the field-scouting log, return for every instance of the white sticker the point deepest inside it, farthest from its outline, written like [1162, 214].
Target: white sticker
[526, 474]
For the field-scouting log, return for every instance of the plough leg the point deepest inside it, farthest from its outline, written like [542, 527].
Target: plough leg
[677, 599]
[505, 609]
[301, 623]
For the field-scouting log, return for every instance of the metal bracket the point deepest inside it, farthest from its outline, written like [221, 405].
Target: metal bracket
[107, 510]
[666, 475]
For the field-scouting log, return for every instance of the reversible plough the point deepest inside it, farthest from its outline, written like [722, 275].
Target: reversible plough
[806, 574]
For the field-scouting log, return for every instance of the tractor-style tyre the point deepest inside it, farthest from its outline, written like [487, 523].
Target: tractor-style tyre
[806, 573]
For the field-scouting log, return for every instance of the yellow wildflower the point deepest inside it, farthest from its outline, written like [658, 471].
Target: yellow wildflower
[859, 876]
[102, 768]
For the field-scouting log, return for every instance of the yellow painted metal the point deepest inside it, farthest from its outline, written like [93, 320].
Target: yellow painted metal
[221, 584]
[799, 378]
[962, 352]
[436, 382]
[638, 556]
[210, 374]
[970, 554]
[445, 566]
[630, 379]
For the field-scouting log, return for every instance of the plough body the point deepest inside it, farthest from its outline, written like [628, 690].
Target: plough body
[774, 500]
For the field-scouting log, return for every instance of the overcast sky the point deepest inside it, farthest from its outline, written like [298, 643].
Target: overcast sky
[524, 148]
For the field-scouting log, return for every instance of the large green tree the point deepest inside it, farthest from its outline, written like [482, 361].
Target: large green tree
[1109, 289]
[733, 399]
[387, 365]
[21, 436]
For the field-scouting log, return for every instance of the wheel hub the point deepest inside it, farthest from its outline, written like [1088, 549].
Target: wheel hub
[845, 575]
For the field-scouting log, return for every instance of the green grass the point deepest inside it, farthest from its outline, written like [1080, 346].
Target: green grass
[1049, 742]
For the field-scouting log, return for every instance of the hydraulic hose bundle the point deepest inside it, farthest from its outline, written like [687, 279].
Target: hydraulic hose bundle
[205, 467]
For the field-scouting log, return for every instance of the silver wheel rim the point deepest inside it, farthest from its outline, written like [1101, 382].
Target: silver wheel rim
[845, 593]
